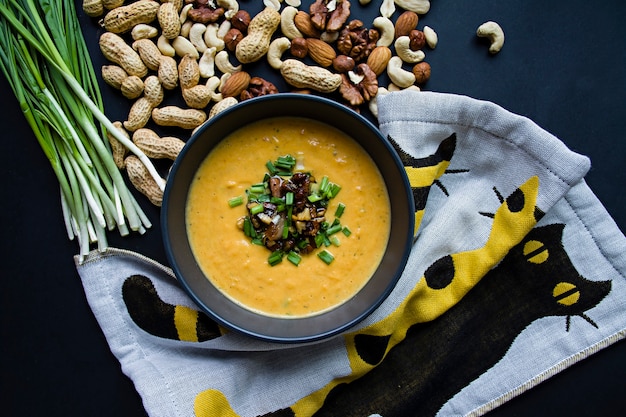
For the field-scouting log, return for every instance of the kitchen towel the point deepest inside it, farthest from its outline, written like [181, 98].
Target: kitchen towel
[517, 272]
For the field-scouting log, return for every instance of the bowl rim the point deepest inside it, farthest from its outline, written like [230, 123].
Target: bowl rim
[286, 329]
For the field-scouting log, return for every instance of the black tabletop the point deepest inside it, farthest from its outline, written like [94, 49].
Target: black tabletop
[563, 65]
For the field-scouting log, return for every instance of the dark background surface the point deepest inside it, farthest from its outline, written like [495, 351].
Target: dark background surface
[563, 65]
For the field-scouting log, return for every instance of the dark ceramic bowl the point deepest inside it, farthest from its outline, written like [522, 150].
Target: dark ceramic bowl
[237, 318]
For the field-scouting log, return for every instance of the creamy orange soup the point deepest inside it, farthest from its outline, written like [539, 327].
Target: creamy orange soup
[240, 268]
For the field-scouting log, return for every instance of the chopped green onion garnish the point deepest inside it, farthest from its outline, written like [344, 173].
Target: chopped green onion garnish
[256, 209]
[287, 222]
[235, 201]
[324, 185]
[319, 240]
[333, 191]
[335, 240]
[289, 198]
[346, 231]
[333, 229]
[258, 188]
[271, 168]
[275, 258]
[294, 258]
[340, 208]
[247, 227]
[326, 256]
[313, 198]
[264, 198]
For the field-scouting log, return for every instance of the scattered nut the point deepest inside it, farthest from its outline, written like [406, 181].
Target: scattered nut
[343, 63]
[258, 87]
[142, 180]
[235, 84]
[321, 52]
[417, 40]
[399, 76]
[431, 37]
[241, 21]
[492, 31]
[299, 48]
[132, 87]
[232, 39]
[421, 70]
[276, 50]
[378, 59]
[386, 29]
[405, 23]
[417, 6]
[404, 51]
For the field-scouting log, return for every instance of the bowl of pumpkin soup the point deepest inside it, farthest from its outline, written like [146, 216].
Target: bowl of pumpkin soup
[288, 218]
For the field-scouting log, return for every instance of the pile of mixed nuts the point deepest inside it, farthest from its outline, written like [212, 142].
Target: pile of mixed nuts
[202, 49]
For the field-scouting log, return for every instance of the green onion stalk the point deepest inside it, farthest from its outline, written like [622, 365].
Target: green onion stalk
[45, 59]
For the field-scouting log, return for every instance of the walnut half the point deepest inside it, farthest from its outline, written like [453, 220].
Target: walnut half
[359, 86]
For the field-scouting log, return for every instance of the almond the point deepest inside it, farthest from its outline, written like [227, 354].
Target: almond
[303, 22]
[321, 52]
[235, 84]
[406, 22]
[378, 59]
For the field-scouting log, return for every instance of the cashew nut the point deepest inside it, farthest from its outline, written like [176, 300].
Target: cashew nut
[196, 36]
[392, 87]
[287, 25]
[222, 62]
[404, 51]
[493, 32]
[275, 4]
[185, 28]
[207, 63]
[399, 76]
[211, 38]
[223, 80]
[212, 84]
[184, 12]
[165, 46]
[386, 29]
[183, 46]
[387, 8]
[431, 37]
[293, 3]
[223, 29]
[373, 103]
[329, 37]
[231, 7]
[275, 53]
[417, 6]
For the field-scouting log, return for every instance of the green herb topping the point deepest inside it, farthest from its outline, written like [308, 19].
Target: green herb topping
[287, 213]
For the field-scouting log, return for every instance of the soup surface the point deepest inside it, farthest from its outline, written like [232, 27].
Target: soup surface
[238, 267]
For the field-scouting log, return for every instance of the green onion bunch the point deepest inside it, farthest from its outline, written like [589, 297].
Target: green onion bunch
[45, 59]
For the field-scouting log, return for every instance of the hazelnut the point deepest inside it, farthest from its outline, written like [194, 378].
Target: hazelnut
[241, 20]
[417, 39]
[343, 63]
[232, 38]
[421, 70]
[299, 48]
